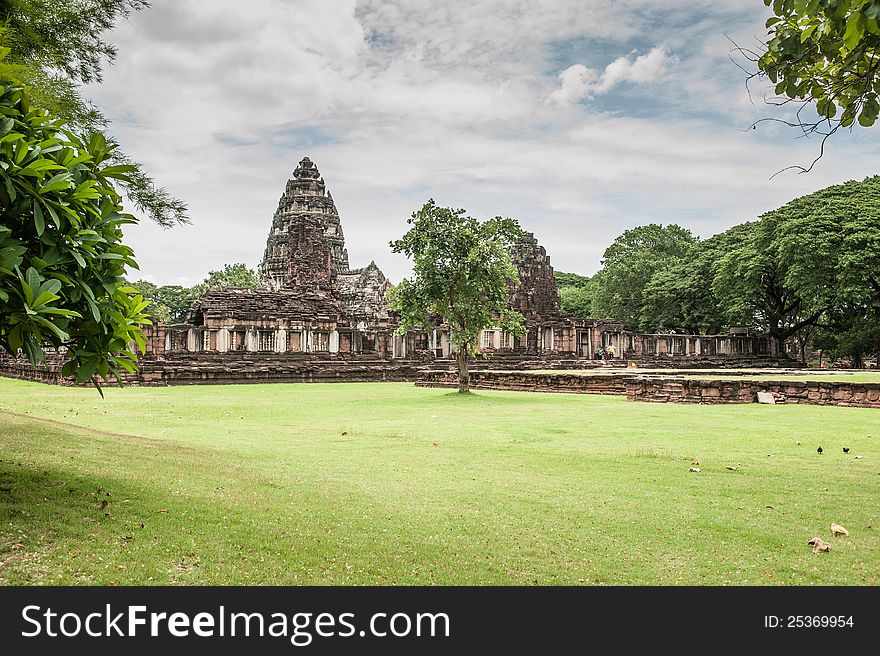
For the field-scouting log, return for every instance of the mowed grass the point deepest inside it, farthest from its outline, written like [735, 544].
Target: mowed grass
[393, 484]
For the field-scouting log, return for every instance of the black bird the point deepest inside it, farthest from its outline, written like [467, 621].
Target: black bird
[846, 449]
[819, 450]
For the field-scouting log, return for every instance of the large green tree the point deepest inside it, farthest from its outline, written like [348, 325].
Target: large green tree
[829, 244]
[169, 303]
[237, 275]
[462, 275]
[575, 293]
[825, 52]
[812, 263]
[62, 259]
[630, 263]
[56, 46]
[681, 298]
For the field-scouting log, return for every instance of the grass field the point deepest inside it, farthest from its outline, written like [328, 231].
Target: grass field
[393, 484]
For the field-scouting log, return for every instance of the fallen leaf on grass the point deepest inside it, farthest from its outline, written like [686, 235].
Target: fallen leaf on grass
[695, 470]
[837, 529]
[732, 468]
[819, 545]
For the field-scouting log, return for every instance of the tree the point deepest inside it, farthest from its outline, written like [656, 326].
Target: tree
[681, 298]
[462, 276]
[237, 275]
[630, 263]
[56, 46]
[830, 244]
[62, 259]
[827, 52]
[157, 311]
[575, 293]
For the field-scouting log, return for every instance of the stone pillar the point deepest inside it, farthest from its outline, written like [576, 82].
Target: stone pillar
[334, 341]
[192, 340]
[223, 340]
[496, 339]
[251, 340]
[307, 341]
[280, 340]
[398, 349]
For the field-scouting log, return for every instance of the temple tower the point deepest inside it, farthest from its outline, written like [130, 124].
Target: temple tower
[306, 246]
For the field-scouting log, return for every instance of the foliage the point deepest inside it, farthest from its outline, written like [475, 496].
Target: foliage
[58, 45]
[812, 263]
[575, 293]
[237, 275]
[825, 51]
[830, 242]
[629, 264]
[62, 259]
[169, 303]
[681, 299]
[462, 275]
[156, 310]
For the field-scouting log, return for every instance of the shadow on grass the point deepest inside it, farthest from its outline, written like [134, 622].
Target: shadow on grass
[47, 511]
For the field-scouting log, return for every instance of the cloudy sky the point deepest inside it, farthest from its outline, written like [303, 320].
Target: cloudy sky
[580, 118]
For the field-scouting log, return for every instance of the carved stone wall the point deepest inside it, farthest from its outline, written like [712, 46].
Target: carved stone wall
[364, 296]
[306, 247]
[536, 297]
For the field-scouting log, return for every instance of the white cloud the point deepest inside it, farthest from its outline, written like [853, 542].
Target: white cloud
[578, 82]
[400, 101]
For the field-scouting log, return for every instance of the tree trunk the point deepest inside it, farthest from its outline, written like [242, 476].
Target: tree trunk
[464, 380]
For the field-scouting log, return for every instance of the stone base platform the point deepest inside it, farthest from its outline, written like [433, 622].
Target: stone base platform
[661, 388]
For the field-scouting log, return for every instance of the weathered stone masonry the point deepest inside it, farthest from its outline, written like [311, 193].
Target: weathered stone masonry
[312, 307]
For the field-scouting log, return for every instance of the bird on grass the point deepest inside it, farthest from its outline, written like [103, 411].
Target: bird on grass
[819, 450]
[846, 449]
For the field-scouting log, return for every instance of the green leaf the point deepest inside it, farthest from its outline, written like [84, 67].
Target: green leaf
[39, 166]
[855, 28]
[60, 334]
[57, 183]
[39, 220]
[807, 33]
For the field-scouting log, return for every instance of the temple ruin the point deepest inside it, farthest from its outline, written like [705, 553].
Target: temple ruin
[312, 306]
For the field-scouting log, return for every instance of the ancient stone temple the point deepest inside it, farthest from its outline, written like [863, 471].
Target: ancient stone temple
[313, 317]
[309, 299]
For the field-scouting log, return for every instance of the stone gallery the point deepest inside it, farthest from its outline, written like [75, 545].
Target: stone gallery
[311, 300]
[315, 318]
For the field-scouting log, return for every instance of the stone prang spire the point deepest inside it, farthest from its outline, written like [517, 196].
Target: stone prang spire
[306, 248]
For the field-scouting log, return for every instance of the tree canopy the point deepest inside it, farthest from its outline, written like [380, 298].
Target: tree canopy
[630, 263]
[58, 45]
[575, 293]
[62, 259]
[462, 276]
[169, 303]
[825, 52]
[237, 275]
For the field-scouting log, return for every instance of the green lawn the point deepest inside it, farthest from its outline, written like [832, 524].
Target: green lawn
[393, 484]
